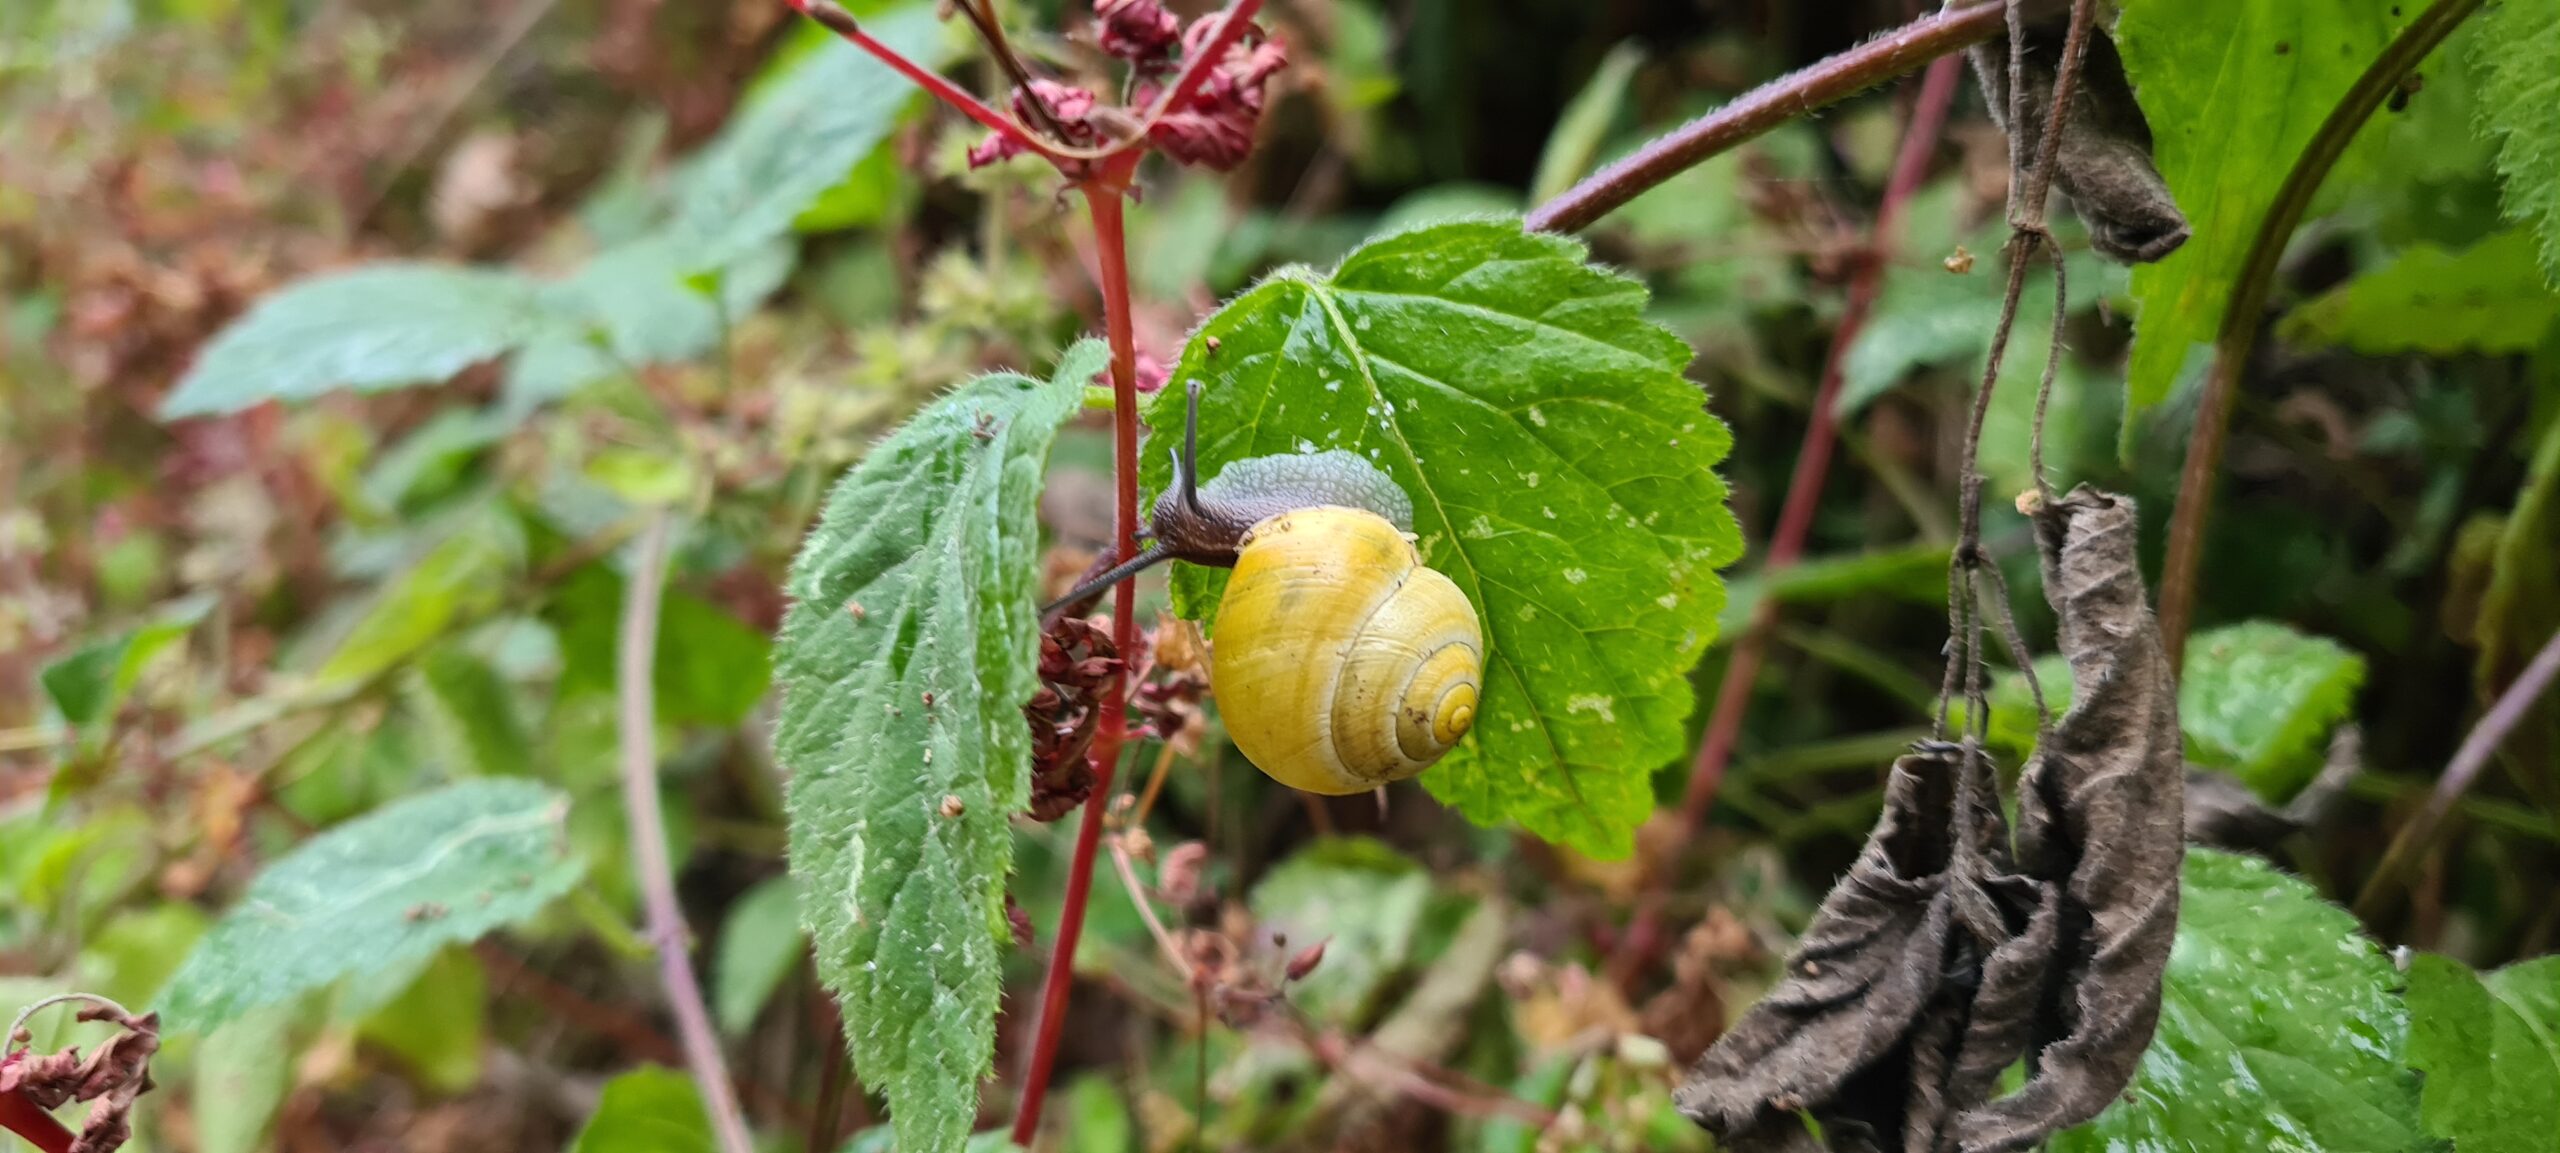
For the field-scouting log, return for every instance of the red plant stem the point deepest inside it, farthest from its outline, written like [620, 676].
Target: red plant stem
[636, 662]
[21, 1116]
[1804, 492]
[2468, 760]
[2239, 332]
[1789, 97]
[842, 23]
[1103, 200]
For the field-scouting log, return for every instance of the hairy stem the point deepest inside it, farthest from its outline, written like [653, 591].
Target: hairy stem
[2239, 332]
[1103, 201]
[1804, 492]
[634, 663]
[1789, 97]
[2468, 760]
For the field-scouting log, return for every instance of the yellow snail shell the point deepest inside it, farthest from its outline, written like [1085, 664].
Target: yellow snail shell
[1339, 661]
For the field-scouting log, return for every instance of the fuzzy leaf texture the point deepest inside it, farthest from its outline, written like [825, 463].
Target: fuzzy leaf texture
[2489, 1047]
[381, 327]
[902, 725]
[2233, 89]
[2518, 57]
[380, 892]
[1562, 473]
[2486, 298]
[2281, 1029]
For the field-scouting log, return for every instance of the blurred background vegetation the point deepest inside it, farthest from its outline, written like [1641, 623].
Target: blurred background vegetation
[220, 635]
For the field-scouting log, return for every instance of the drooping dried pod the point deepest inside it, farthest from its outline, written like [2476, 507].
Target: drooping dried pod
[2100, 817]
[2104, 162]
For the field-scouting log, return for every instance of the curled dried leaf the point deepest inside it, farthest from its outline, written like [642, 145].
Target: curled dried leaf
[2100, 817]
[2104, 162]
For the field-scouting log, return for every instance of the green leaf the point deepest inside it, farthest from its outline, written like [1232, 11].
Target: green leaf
[651, 1109]
[463, 576]
[2520, 610]
[2520, 104]
[1366, 900]
[2234, 89]
[2490, 1051]
[710, 668]
[1098, 1119]
[902, 727]
[759, 944]
[378, 892]
[471, 712]
[1915, 573]
[638, 298]
[89, 685]
[800, 136]
[242, 1073]
[379, 327]
[438, 1024]
[1562, 472]
[2280, 1030]
[2258, 698]
[1586, 121]
[2486, 298]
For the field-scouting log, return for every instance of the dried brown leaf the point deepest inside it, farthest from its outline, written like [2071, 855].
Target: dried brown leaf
[2100, 815]
[2104, 163]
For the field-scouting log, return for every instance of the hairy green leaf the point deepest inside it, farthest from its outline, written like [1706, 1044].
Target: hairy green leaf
[909, 650]
[1562, 472]
[759, 944]
[2516, 52]
[2490, 1050]
[2281, 1029]
[652, 1109]
[2486, 298]
[2234, 89]
[380, 327]
[379, 892]
[2258, 698]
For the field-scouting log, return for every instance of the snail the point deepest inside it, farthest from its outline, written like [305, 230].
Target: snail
[1340, 661]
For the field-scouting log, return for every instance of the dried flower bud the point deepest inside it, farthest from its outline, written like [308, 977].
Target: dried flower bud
[1138, 31]
[1020, 921]
[1178, 877]
[1306, 960]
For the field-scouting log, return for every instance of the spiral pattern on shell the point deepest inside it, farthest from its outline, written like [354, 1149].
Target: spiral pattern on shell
[1340, 662]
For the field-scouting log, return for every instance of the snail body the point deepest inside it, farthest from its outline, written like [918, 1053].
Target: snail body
[1339, 660]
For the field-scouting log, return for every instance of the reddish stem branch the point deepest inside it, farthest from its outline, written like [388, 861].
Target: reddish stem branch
[21, 1116]
[2239, 332]
[1789, 97]
[2468, 761]
[842, 23]
[1103, 201]
[636, 663]
[1804, 492]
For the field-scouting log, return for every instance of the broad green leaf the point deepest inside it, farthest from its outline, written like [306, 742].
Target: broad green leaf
[2490, 1052]
[89, 685]
[1562, 472]
[2487, 298]
[379, 327]
[799, 137]
[378, 892]
[651, 1109]
[2281, 1028]
[438, 1024]
[2520, 105]
[1366, 900]
[1586, 121]
[759, 944]
[2258, 698]
[242, 1073]
[638, 298]
[463, 576]
[909, 650]
[2233, 89]
[1098, 1118]
[2519, 611]
[710, 669]
[471, 713]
